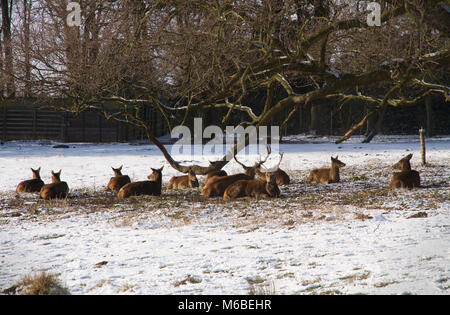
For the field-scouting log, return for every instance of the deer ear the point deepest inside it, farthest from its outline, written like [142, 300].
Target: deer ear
[409, 156]
[39, 169]
[120, 168]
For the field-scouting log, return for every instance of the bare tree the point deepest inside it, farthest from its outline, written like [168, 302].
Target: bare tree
[185, 58]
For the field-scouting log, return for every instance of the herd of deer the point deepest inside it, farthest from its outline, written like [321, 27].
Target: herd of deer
[218, 183]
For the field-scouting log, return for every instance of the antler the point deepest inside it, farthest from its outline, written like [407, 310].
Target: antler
[279, 162]
[240, 162]
[269, 151]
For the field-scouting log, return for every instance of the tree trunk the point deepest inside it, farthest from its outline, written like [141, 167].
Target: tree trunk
[7, 45]
[430, 118]
[26, 35]
[315, 118]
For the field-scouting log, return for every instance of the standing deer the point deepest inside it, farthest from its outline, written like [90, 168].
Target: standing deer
[185, 181]
[57, 189]
[31, 185]
[253, 188]
[326, 175]
[119, 180]
[150, 187]
[407, 178]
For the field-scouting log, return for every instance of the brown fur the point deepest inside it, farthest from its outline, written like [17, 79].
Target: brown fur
[326, 175]
[282, 178]
[253, 188]
[31, 185]
[150, 187]
[119, 180]
[216, 186]
[185, 181]
[216, 173]
[407, 178]
[57, 189]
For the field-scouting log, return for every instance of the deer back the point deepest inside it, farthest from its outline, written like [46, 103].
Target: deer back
[150, 187]
[119, 180]
[31, 185]
[326, 175]
[253, 188]
[185, 181]
[216, 173]
[405, 179]
[216, 185]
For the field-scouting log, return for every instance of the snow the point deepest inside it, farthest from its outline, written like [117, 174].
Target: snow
[182, 244]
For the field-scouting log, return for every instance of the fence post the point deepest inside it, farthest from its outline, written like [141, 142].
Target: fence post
[422, 145]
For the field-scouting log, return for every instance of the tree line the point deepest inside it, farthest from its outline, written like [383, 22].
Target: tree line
[252, 63]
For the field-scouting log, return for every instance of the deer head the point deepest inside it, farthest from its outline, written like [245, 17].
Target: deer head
[117, 171]
[336, 163]
[56, 177]
[36, 174]
[403, 164]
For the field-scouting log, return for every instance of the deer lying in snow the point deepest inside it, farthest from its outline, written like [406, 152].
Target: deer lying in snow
[326, 175]
[119, 180]
[215, 186]
[407, 178]
[57, 189]
[282, 178]
[31, 185]
[253, 188]
[150, 187]
[185, 181]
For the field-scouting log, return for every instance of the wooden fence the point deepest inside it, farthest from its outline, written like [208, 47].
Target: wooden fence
[21, 120]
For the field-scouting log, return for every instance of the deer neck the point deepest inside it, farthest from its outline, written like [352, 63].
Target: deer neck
[334, 172]
[406, 167]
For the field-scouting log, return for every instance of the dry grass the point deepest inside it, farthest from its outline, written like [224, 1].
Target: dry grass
[360, 191]
[40, 284]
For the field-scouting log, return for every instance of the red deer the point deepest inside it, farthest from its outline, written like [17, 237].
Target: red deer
[150, 187]
[253, 188]
[407, 178]
[185, 181]
[326, 175]
[57, 189]
[216, 173]
[215, 186]
[119, 180]
[282, 177]
[31, 185]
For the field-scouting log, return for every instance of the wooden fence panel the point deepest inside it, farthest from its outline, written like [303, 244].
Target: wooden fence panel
[22, 121]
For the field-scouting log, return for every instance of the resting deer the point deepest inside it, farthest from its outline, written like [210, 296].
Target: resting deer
[119, 180]
[215, 186]
[253, 188]
[326, 175]
[57, 189]
[282, 177]
[185, 181]
[407, 178]
[150, 187]
[31, 185]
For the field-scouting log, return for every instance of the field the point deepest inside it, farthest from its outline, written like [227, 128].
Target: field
[353, 237]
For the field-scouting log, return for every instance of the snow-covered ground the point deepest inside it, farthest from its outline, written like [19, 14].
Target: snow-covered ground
[356, 236]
